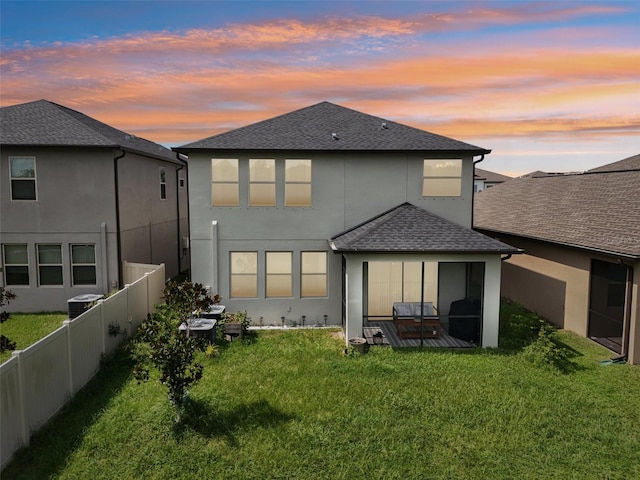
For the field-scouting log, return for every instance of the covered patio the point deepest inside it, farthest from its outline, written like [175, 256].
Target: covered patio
[421, 280]
[390, 338]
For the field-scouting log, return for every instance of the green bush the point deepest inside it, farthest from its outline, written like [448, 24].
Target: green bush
[545, 350]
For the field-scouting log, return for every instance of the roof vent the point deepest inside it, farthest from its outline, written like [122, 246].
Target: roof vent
[335, 136]
[384, 125]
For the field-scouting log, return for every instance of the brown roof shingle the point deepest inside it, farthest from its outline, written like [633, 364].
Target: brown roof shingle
[490, 177]
[596, 210]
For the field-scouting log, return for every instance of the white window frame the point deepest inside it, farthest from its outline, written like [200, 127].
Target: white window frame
[46, 264]
[260, 183]
[5, 265]
[23, 179]
[288, 182]
[225, 182]
[426, 178]
[278, 274]
[81, 264]
[163, 183]
[249, 274]
[304, 274]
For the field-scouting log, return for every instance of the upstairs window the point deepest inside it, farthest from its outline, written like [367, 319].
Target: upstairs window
[23, 178]
[244, 274]
[297, 178]
[279, 274]
[313, 269]
[163, 183]
[262, 182]
[50, 264]
[225, 191]
[83, 264]
[16, 265]
[442, 178]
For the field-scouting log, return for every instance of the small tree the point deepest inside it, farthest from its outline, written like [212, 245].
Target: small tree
[5, 297]
[186, 298]
[162, 345]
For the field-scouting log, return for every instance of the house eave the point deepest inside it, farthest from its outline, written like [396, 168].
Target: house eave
[105, 146]
[336, 249]
[614, 253]
[473, 152]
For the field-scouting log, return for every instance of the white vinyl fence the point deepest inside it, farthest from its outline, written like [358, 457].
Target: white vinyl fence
[37, 382]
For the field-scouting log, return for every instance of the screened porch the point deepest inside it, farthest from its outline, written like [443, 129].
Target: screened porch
[428, 303]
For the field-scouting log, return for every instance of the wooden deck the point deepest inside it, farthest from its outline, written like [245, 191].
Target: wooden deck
[390, 337]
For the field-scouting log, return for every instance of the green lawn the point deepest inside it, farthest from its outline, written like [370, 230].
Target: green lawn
[27, 328]
[291, 405]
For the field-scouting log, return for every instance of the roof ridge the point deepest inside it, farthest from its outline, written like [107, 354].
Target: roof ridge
[372, 220]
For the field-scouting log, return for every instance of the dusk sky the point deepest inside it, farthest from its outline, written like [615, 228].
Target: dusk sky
[551, 86]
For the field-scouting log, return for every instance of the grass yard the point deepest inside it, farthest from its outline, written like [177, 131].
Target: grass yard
[27, 328]
[290, 405]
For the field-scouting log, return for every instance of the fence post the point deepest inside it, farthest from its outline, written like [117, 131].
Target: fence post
[67, 324]
[147, 277]
[24, 431]
[103, 327]
[127, 289]
[125, 271]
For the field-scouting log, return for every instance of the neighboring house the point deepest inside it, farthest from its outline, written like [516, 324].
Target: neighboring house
[581, 235]
[78, 198]
[326, 215]
[485, 179]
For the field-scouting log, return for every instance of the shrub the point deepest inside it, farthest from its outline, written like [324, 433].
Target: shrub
[5, 297]
[162, 345]
[545, 349]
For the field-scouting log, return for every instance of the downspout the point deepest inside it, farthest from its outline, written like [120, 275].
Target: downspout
[180, 248]
[473, 182]
[184, 160]
[117, 197]
[626, 326]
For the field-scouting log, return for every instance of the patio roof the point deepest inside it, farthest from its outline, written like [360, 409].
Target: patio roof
[410, 229]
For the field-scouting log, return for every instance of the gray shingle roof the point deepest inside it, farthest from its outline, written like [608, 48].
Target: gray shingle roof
[410, 229]
[47, 124]
[597, 210]
[312, 128]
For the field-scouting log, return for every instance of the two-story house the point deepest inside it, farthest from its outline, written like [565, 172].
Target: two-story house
[326, 215]
[78, 198]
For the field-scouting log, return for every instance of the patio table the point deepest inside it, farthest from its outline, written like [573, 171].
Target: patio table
[410, 324]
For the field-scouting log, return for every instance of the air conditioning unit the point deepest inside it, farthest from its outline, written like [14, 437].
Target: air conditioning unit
[78, 304]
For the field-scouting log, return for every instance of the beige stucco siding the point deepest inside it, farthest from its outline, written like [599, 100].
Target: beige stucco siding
[554, 281]
[551, 281]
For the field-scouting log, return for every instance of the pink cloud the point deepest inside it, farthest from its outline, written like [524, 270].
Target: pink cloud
[173, 87]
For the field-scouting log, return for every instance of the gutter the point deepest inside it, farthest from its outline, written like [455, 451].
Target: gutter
[612, 253]
[117, 198]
